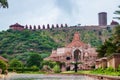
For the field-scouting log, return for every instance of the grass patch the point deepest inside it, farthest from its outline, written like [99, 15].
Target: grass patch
[95, 72]
[79, 72]
[106, 71]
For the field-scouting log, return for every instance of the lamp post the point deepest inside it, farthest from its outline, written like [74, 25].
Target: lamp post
[68, 59]
[76, 65]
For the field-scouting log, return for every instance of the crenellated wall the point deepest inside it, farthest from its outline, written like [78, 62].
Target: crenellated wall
[48, 26]
[34, 27]
[58, 27]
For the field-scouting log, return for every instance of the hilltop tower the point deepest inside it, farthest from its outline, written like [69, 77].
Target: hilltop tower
[102, 18]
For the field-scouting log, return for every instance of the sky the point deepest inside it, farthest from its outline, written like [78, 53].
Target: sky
[71, 12]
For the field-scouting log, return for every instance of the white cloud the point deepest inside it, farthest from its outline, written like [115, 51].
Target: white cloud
[73, 12]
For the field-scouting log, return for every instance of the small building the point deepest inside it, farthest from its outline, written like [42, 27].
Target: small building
[17, 27]
[98, 64]
[111, 61]
[101, 63]
[114, 61]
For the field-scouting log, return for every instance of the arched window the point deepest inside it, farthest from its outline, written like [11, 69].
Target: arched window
[77, 54]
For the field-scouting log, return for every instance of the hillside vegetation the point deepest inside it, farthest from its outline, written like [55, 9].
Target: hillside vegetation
[16, 43]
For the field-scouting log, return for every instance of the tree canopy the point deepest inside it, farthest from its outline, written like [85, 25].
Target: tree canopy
[106, 49]
[34, 60]
[3, 65]
[4, 3]
[118, 13]
[14, 63]
[116, 37]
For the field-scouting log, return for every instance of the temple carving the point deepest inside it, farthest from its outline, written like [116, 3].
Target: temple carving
[76, 51]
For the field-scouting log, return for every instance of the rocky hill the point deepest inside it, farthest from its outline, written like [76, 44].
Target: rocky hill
[43, 41]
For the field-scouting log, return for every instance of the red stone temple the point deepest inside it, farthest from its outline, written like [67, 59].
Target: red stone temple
[76, 51]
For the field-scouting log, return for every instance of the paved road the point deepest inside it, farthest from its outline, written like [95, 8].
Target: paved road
[47, 77]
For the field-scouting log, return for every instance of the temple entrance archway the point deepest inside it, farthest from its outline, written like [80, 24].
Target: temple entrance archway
[77, 55]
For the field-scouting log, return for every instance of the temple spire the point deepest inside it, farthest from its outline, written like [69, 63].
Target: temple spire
[76, 37]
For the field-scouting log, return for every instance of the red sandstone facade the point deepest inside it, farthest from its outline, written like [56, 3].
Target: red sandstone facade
[111, 61]
[101, 63]
[114, 61]
[75, 51]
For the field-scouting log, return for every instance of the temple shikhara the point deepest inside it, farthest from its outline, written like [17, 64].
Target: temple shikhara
[75, 52]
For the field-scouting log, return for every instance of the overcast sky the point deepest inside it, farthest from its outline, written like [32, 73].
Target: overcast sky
[72, 12]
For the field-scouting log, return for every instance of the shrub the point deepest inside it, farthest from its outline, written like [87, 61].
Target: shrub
[3, 65]
[56, 69]
[110, 69]
[51, 64]
[25, 69]
[47, 68]
[14, 63]
[35, 68]
[34, 59]
[118, 68]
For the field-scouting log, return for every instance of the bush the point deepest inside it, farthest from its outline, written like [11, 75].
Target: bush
[99, 70]
[34, 59]
[46, 68]
[25, 69]
[118, 68]
[56, 69]
[3, 65]
[51, 64]
[15, 63]
[105, 71]
[35, 68]
[110, 69]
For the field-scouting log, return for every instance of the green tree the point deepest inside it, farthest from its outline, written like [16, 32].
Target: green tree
[116, 37]
[56, 69]
[35, 68]
[111, 46]
[106, 49]
[3, 65]
[5, 55]
[14, 63]
[49, 63]
[101, 51]
[118, 13]
[34, 60]
[4, 3]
